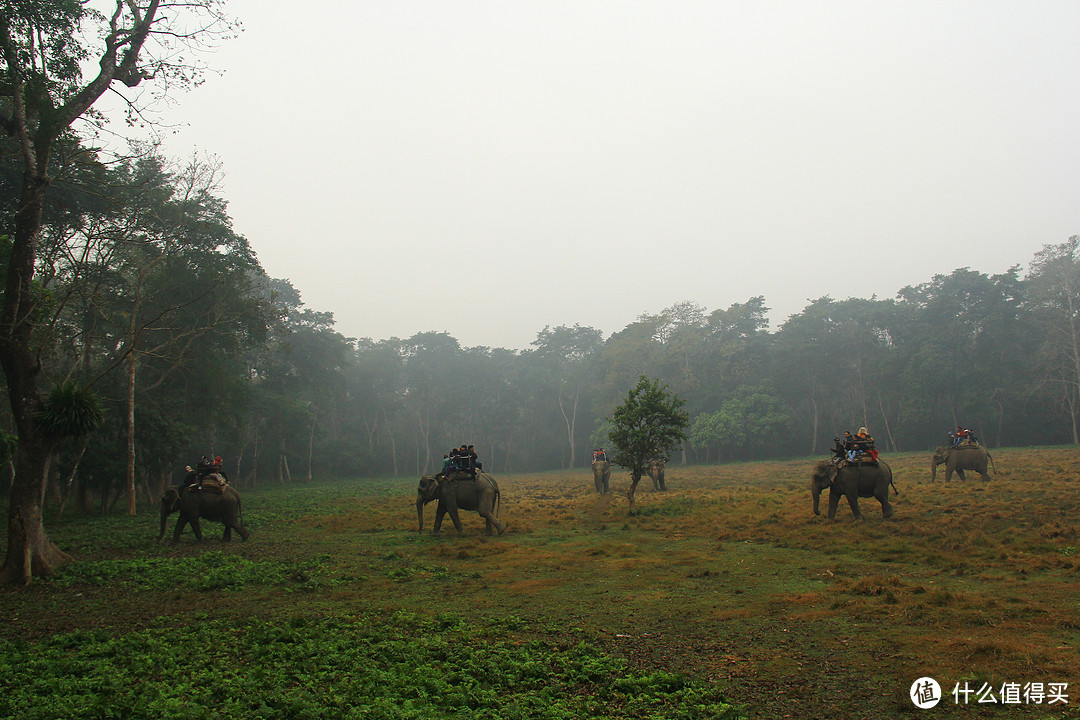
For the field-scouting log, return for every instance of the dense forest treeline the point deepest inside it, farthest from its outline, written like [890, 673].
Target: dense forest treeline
[151, 300]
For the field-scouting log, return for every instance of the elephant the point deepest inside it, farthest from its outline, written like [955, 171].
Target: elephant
[656, 472]
[460, 490]
[851, 480]
[601, 473]
[959, 459]
[220, 503]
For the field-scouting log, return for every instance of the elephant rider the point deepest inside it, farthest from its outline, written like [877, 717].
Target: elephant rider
[461, 459]
[204, 468]
[477, 465]
[863, 443]
[962, 435]
[839, 450]
[599, 454]
[445, 466]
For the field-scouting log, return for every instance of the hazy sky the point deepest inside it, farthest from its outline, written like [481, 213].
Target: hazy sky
[489, 168]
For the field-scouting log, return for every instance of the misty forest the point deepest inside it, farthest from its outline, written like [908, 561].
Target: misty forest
[152, 304]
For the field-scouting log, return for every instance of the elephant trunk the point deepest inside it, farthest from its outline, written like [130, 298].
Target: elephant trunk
[170, 502]
[420, 512]
[816, 492]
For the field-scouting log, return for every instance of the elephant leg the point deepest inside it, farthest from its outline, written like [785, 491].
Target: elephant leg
[883, 497]
[452, 508]
[663, 483]
[440, 511]
[196, 528]
[240, 529]
[853, 502]
[227, 535]
[960, 474]
[180, 523]
[485, 510]
[454, 517]
[834, 502]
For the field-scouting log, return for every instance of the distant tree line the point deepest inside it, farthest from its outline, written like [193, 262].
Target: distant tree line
[150, 302]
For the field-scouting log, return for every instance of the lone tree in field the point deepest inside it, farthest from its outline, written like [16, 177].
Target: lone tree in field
[44, 47]
[647, 426]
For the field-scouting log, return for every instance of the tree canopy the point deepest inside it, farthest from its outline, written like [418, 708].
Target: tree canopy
[645, 427]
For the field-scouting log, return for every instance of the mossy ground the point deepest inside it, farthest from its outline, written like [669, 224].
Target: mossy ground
[725, 584]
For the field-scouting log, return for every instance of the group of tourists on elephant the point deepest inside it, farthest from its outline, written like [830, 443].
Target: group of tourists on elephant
[205, 494]
[599, 454]
[461, 459]
[208, 470]
[854, 448]
[460, 485]
[962, 436]
[852, 472]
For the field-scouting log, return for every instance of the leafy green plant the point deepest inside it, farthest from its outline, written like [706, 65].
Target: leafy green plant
[397, 666]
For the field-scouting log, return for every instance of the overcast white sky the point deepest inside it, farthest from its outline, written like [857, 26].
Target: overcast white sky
[490, 167]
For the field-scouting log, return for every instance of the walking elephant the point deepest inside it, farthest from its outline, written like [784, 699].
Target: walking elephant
[656, 472]
[601, 474]
[959, 459]
[210, 502]
[460, 491]
[853, 481]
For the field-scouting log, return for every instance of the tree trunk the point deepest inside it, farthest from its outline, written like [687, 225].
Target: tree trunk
[29, 550]
[239, 461]
[82, 497]
[570, 422]
[130, 424]
[393, 445]
[283, 464]
[311, 443]
[148, 490]
[255, 456]
[71, 478]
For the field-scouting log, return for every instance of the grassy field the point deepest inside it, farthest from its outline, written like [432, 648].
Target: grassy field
[723, 597]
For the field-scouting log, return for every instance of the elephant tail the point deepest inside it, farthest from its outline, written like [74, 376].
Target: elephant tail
[895, 491]
[498, 495]
[991, 459]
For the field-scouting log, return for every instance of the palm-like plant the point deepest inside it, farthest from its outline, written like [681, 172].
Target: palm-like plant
[71, 411]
